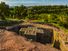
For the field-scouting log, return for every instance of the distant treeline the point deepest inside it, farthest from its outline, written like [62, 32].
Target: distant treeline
[50, 14]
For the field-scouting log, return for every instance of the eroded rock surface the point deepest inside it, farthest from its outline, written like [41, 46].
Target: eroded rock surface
[10, 41]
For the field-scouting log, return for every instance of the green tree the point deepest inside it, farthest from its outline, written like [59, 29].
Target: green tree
[4, 10]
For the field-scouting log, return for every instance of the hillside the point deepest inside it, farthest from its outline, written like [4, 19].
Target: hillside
[33, 28]
[10, 41]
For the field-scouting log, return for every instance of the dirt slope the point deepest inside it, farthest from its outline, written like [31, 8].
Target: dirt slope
[10, 41]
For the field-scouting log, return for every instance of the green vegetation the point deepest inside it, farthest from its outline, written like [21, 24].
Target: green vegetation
[57, 15]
